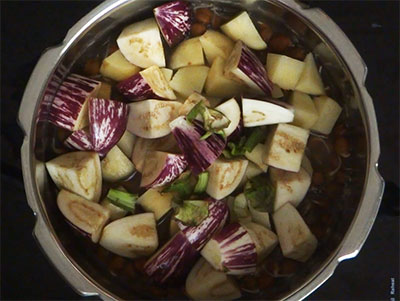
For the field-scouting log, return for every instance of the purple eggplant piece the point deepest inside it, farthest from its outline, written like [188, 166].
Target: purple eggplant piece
[108, 119]
[173, 260]
[199, 235]
[245, 66]
[67, 110]
[235, 248]
[79, 140]
[174, 20]
[199, 154]
[161, 168]
[136, 88]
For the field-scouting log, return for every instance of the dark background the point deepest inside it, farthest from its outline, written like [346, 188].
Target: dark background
[28, 27]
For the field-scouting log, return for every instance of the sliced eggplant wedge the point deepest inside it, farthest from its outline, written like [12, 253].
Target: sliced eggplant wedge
[78, 172]
[132, 236]
[87, 216]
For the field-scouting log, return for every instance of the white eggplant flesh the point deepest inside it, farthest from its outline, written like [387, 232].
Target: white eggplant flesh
[141, 44]
[87, 216]
[126, 143]
[231, 250]
[174, 20]
[173, 260]
[108, 121]
[150, 118]
[161, 168]
[290, 187]
[69, 108]
[191, 101]
[79, 140]
[215, 44]
[258, 113]
[206, 283]
[225, 177]
[295, 238]
[78, 172]
[116, 166]
[132, 236]
[199, 235]
[143, 146]
[285, 147]
[240, 207]
[245, 67]
[257, 156]
[153, 200]
[242, 28]
[231, 110]
[264, 239]
[149, 83]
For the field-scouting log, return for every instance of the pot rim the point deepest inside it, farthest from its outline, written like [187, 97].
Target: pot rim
[324, 26]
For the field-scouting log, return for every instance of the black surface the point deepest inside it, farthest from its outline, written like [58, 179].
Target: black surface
[27, 28]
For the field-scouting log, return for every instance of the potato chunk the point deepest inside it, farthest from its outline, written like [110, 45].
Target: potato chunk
[328, 113]
[305, 113]
[283, 70]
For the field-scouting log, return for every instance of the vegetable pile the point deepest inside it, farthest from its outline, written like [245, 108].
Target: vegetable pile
[215, 136]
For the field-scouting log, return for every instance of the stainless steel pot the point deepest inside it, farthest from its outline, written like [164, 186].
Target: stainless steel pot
[341, 63]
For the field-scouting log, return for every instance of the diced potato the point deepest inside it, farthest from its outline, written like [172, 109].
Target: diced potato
[305, 113]
[188, 53]
[284, 71]
[328, 113]
[252, 170]
[116, 166]
[206, 283]
[104, 91]
[276, 92]
[167, 73]
[218, 84]
[242, 28]
[78, 172]
[126, 143]
[215, 44]
[310, 81]
[285, 147]
[155, 201]
[224, 177]
[189, 79]
[295, 238]
[257, 156]
[117, 67]
[306, 164]
[290, 187]
[191, 101]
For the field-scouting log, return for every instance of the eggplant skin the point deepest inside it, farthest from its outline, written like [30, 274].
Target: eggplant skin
[199, 154]
[173, 260]
[217, 216]
[174, 20]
